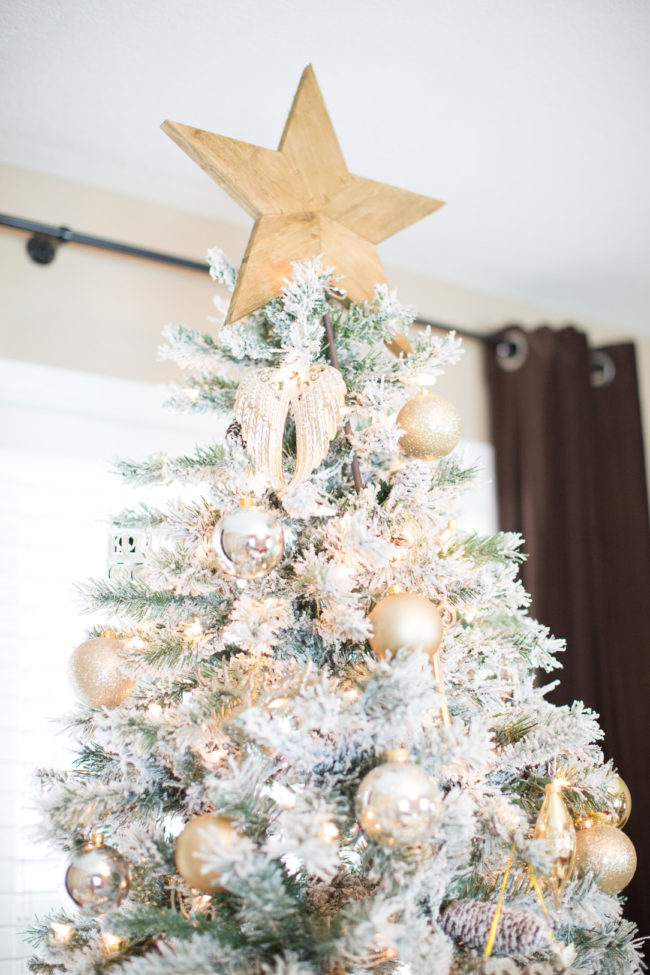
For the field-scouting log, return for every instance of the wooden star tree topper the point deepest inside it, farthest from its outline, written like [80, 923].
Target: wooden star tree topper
[304, 201]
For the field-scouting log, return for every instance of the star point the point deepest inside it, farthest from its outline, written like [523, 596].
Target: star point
[304, 201]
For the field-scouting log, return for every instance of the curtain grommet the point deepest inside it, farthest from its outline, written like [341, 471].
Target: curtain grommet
[602, 369]
[512, 349]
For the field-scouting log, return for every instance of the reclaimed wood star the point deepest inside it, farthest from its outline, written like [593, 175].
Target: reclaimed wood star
[304, 201]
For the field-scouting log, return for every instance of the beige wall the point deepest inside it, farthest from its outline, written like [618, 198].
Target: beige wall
[100, 312]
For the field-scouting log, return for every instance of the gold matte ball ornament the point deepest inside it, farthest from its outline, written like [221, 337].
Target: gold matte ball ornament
[248, 542]
[398, 804]
[96, 673]
[98, 878]
[405, 620]
[607, 853]
[431, 426]
[202, 834]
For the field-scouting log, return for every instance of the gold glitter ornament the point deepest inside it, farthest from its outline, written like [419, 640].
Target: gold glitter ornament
[431, 426]
[98, 878]
[262, 406]
[405, 620]
[555, 826]
[397, 803]
[248, 542]
[96, 675]
[200, 834]
[609, 854]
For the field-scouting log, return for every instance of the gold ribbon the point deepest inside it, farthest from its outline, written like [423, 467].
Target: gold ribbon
[540, 898]
[497, 914]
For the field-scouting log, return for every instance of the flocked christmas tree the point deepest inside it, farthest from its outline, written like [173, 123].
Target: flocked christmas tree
[310, 738]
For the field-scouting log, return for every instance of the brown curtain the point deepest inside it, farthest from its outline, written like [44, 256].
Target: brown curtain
[566, 426]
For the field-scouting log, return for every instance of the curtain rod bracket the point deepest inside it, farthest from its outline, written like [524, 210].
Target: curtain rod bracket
[42, 248]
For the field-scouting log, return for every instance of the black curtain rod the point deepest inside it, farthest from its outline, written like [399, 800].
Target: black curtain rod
[64, 234]
[45, 238]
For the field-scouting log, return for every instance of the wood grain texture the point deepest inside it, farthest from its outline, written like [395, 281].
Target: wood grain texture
[304, 201]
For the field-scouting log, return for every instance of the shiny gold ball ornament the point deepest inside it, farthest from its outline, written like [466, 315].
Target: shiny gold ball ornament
[617, 811]
[431, 426]
[555, 826]
[620, 802]
[96, 673]
[201, 834]
[248, 542]
[607, 853]
[98, 878]
[397, 803]
[405, 620]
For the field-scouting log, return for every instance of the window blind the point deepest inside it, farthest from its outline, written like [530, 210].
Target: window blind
[59, 433]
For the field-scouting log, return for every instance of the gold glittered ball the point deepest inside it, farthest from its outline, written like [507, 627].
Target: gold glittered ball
[405, 620]
[201, 835]
[607, 853]
[431, 426]
[96, 673]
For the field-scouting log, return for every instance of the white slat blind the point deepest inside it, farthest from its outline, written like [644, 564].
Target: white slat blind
[59, 432]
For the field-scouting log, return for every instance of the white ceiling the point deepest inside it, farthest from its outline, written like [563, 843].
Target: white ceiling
[531, 118]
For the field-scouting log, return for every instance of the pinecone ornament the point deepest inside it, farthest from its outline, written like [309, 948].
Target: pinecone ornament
[519, 934]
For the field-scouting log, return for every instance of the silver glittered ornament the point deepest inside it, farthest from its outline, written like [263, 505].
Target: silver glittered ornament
[398, 804]
[98, 877]
[248, 542]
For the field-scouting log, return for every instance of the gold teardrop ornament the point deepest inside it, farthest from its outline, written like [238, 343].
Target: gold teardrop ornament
[555, 826]
[262, 405]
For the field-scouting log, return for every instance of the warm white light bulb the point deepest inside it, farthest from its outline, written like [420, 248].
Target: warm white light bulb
[328, 832]
[62, 932]
[111, 941]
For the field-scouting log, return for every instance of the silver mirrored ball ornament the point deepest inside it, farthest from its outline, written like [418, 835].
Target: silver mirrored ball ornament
[248, 542]
[98, 877]
[398, 804]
